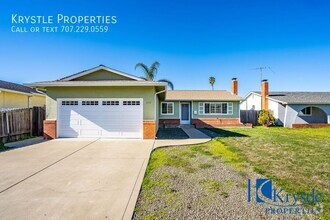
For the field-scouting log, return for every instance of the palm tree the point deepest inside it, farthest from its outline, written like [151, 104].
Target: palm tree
[151, 72]
[212, 81]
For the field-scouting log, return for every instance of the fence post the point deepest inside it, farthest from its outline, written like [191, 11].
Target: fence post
[7, 126]
[30, 120]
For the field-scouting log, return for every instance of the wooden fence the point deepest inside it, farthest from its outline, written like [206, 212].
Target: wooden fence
[20, 123]
[249, 116]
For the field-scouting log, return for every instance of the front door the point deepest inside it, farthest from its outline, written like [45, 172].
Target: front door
[185, 113]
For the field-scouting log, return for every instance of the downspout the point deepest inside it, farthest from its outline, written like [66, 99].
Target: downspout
[29, 101]
[155, 114]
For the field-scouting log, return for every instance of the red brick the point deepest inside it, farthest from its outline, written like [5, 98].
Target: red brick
[234, 86]
[49, 129]
[169, 122]
[149, 129]
[310, 125]
[218, 122]
[264, 94]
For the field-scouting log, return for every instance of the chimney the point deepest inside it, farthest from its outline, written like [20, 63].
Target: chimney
[264, 94]
[234, 86]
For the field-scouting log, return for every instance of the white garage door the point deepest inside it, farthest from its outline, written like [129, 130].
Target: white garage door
[113, 118]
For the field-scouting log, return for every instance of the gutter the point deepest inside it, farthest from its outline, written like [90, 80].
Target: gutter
[14, 91]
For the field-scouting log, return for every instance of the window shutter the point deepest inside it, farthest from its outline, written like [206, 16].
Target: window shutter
[201, 108]
[230, 108]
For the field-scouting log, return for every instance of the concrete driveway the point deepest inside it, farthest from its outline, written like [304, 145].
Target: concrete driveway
[73, 179]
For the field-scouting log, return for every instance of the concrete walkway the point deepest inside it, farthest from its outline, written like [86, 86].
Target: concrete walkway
[193, 133]
[195, 137]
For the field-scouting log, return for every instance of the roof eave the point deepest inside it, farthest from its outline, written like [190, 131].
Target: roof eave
[183, 99]
[80, 84]
[15, 91]
[308, 103]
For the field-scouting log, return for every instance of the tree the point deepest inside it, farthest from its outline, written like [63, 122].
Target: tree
[151, 72]
[266, 118]
[212, 81]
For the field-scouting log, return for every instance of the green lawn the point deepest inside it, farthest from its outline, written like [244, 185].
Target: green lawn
[296, 159]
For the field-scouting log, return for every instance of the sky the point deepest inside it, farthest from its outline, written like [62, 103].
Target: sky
[192, 40]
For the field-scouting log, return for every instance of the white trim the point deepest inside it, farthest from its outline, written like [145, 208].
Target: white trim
[184, 121]
[59, 101]
[228, 105]
[161, 108]
[308, 115]
[38, 94]
[208, 100]
[192, 109]
[96, 83]
[101, 68]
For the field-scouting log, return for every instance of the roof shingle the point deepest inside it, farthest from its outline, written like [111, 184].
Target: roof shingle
[18, 87]
[215, 95]
[300, 97]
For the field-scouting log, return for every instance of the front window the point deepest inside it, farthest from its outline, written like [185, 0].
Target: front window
[216, 108]
[306, 111]
[167, 108]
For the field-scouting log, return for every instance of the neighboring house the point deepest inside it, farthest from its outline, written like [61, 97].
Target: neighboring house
[14, 95]
[103, 102]
[291, 109]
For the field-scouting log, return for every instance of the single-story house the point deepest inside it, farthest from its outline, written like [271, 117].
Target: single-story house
[291, 109]
[103, 102]
[14, 95]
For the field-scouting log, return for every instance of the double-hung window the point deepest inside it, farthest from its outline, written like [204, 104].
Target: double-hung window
[167, 108]
[216, 108]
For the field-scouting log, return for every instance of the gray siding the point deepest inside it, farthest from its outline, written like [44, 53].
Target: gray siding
[292, 114]
[318, 116]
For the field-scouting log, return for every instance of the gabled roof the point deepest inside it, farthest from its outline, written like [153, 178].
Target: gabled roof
[69, 80]
[14, 87]
[299, 97]
[94, 69]
[201, 95]
[96, 83]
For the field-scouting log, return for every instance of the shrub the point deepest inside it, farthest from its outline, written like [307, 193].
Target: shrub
[266, 118]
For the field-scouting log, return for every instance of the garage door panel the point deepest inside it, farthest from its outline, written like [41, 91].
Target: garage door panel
[113, 121]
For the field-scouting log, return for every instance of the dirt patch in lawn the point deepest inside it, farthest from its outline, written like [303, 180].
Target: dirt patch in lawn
[205, 181]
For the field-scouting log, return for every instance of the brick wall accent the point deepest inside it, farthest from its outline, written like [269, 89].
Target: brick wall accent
[218, 122]
[49, 129]
[149, 129]
[310, 125]
[169, 122]
[234, 86]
